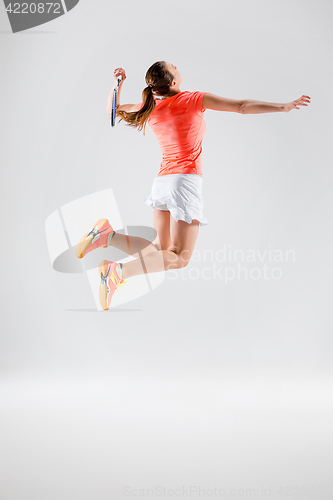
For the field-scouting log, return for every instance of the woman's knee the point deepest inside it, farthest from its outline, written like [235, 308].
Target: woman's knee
[185, 257]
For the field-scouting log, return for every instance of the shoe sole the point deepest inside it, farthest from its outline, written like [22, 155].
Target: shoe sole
[83, 244]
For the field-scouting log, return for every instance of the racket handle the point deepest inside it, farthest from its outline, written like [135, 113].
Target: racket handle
[119, 78]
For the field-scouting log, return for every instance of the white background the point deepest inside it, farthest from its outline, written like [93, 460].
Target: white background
[200, 382]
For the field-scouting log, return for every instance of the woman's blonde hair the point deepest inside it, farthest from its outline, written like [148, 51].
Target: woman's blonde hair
[160, 78]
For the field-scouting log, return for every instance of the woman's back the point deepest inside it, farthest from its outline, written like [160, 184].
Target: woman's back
[178, 123]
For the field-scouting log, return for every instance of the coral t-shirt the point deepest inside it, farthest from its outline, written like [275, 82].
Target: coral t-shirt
[179, 125]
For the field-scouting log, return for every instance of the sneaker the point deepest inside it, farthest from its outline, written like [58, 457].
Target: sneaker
[98, 237]
[110, 282]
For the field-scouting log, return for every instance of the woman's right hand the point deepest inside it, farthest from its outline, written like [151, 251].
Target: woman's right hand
[299, 102]
[120, 71]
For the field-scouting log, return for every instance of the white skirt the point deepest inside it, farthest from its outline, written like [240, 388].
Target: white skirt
[181, 194]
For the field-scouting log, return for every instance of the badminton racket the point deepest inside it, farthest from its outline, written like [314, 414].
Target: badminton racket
[114, 103]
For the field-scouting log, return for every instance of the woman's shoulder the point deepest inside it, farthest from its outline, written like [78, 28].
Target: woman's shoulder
[195, 93]
[194, 99]
[186, 95]
[192, 95]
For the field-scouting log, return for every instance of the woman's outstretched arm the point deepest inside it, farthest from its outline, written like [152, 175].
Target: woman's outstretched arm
[253, 107]
[250, 106]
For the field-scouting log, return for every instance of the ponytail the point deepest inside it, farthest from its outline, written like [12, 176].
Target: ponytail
[138, 119]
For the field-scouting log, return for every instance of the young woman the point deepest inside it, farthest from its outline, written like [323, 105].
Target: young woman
[176, 118]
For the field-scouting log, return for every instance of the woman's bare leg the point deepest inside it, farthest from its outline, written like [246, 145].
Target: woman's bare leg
[133, 245]
[182, 241]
